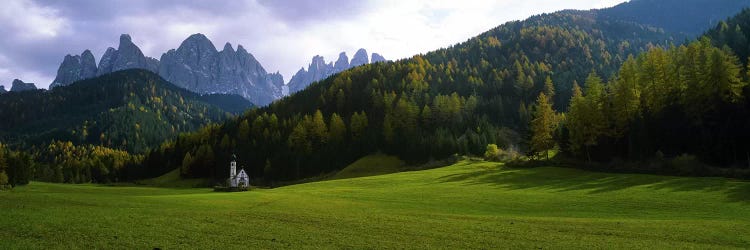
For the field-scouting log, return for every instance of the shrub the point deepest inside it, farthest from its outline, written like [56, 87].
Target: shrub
[686, 164]
[4, 181]
[492, 153]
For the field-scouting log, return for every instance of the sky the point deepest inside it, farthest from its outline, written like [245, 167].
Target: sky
[282, 35]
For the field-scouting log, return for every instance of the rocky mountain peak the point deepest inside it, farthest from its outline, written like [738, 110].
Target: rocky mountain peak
[198, 42]
[228, 47]
[125, 38]
[126, 43]
[75, 68]
[342, 63]
[197, 66]
[276, 79]
[377, 58]
[360, 58]
[126, 56]
[319, 70]
[241, 50]
[317, 62]
[87, 53]
[2, 89]
[19, 86]
[197, 37]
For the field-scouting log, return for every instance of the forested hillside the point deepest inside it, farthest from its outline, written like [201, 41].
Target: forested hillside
[130, 110]
[454, 100]
[733, 33]
[688, 102]
[677, 16]
[96, 130]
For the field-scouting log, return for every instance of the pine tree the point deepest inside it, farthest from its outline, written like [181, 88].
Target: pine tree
[187, 162]
[724, 69]
[337, 131]
[654, 78]
[626, 97]
[523, 114]
[594, 119]
[340, 101]
[298, 140]
[426, 116]
[244, 130]
[268, 170]
[358, 125]
[204, 157]
[225, 142]
[318, 129]
[388, 129]
[3, 166]
[575, 120]
[543, 126]
[549, 89]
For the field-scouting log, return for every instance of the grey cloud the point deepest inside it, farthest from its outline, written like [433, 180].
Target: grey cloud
[306, 11]
[96, 10]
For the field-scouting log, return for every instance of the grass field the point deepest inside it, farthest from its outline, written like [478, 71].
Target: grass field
[173, 180]
[376, 164]
[466, 205]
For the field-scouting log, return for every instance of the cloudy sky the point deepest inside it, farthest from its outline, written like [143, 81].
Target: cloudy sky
[283, 35]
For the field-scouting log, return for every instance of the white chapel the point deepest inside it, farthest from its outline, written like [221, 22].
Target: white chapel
[240, 179]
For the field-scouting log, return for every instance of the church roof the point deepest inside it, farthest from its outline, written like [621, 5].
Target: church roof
[242, 171]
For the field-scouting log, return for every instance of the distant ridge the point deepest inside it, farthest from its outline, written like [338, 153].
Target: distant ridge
[319, 69]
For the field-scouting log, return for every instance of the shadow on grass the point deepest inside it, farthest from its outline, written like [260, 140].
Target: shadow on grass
[567, 179]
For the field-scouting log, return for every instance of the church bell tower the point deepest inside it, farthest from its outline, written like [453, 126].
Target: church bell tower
[233, 167]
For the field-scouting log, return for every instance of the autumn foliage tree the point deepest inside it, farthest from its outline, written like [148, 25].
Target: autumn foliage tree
[543, 126]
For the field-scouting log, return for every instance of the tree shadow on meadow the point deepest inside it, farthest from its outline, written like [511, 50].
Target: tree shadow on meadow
[568, 179]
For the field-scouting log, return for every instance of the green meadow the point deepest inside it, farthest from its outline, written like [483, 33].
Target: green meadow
[465, 205]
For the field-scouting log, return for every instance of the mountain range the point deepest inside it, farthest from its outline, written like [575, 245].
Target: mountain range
[319, 69]
[198, 66]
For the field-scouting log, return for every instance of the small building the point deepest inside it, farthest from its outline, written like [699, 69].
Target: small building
[237, 180]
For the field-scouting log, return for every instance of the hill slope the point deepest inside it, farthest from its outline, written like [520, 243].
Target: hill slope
[454, 100]
[677, 16]
[131, 109]
[376, 164]
[469, 205]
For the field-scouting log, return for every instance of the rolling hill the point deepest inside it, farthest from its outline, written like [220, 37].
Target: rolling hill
[132, 110]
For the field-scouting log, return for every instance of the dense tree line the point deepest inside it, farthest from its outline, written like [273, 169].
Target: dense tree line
[16, 168]
[688, 101]
[65, 162]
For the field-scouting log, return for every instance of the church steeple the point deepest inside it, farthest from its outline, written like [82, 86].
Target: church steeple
[233, 167]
